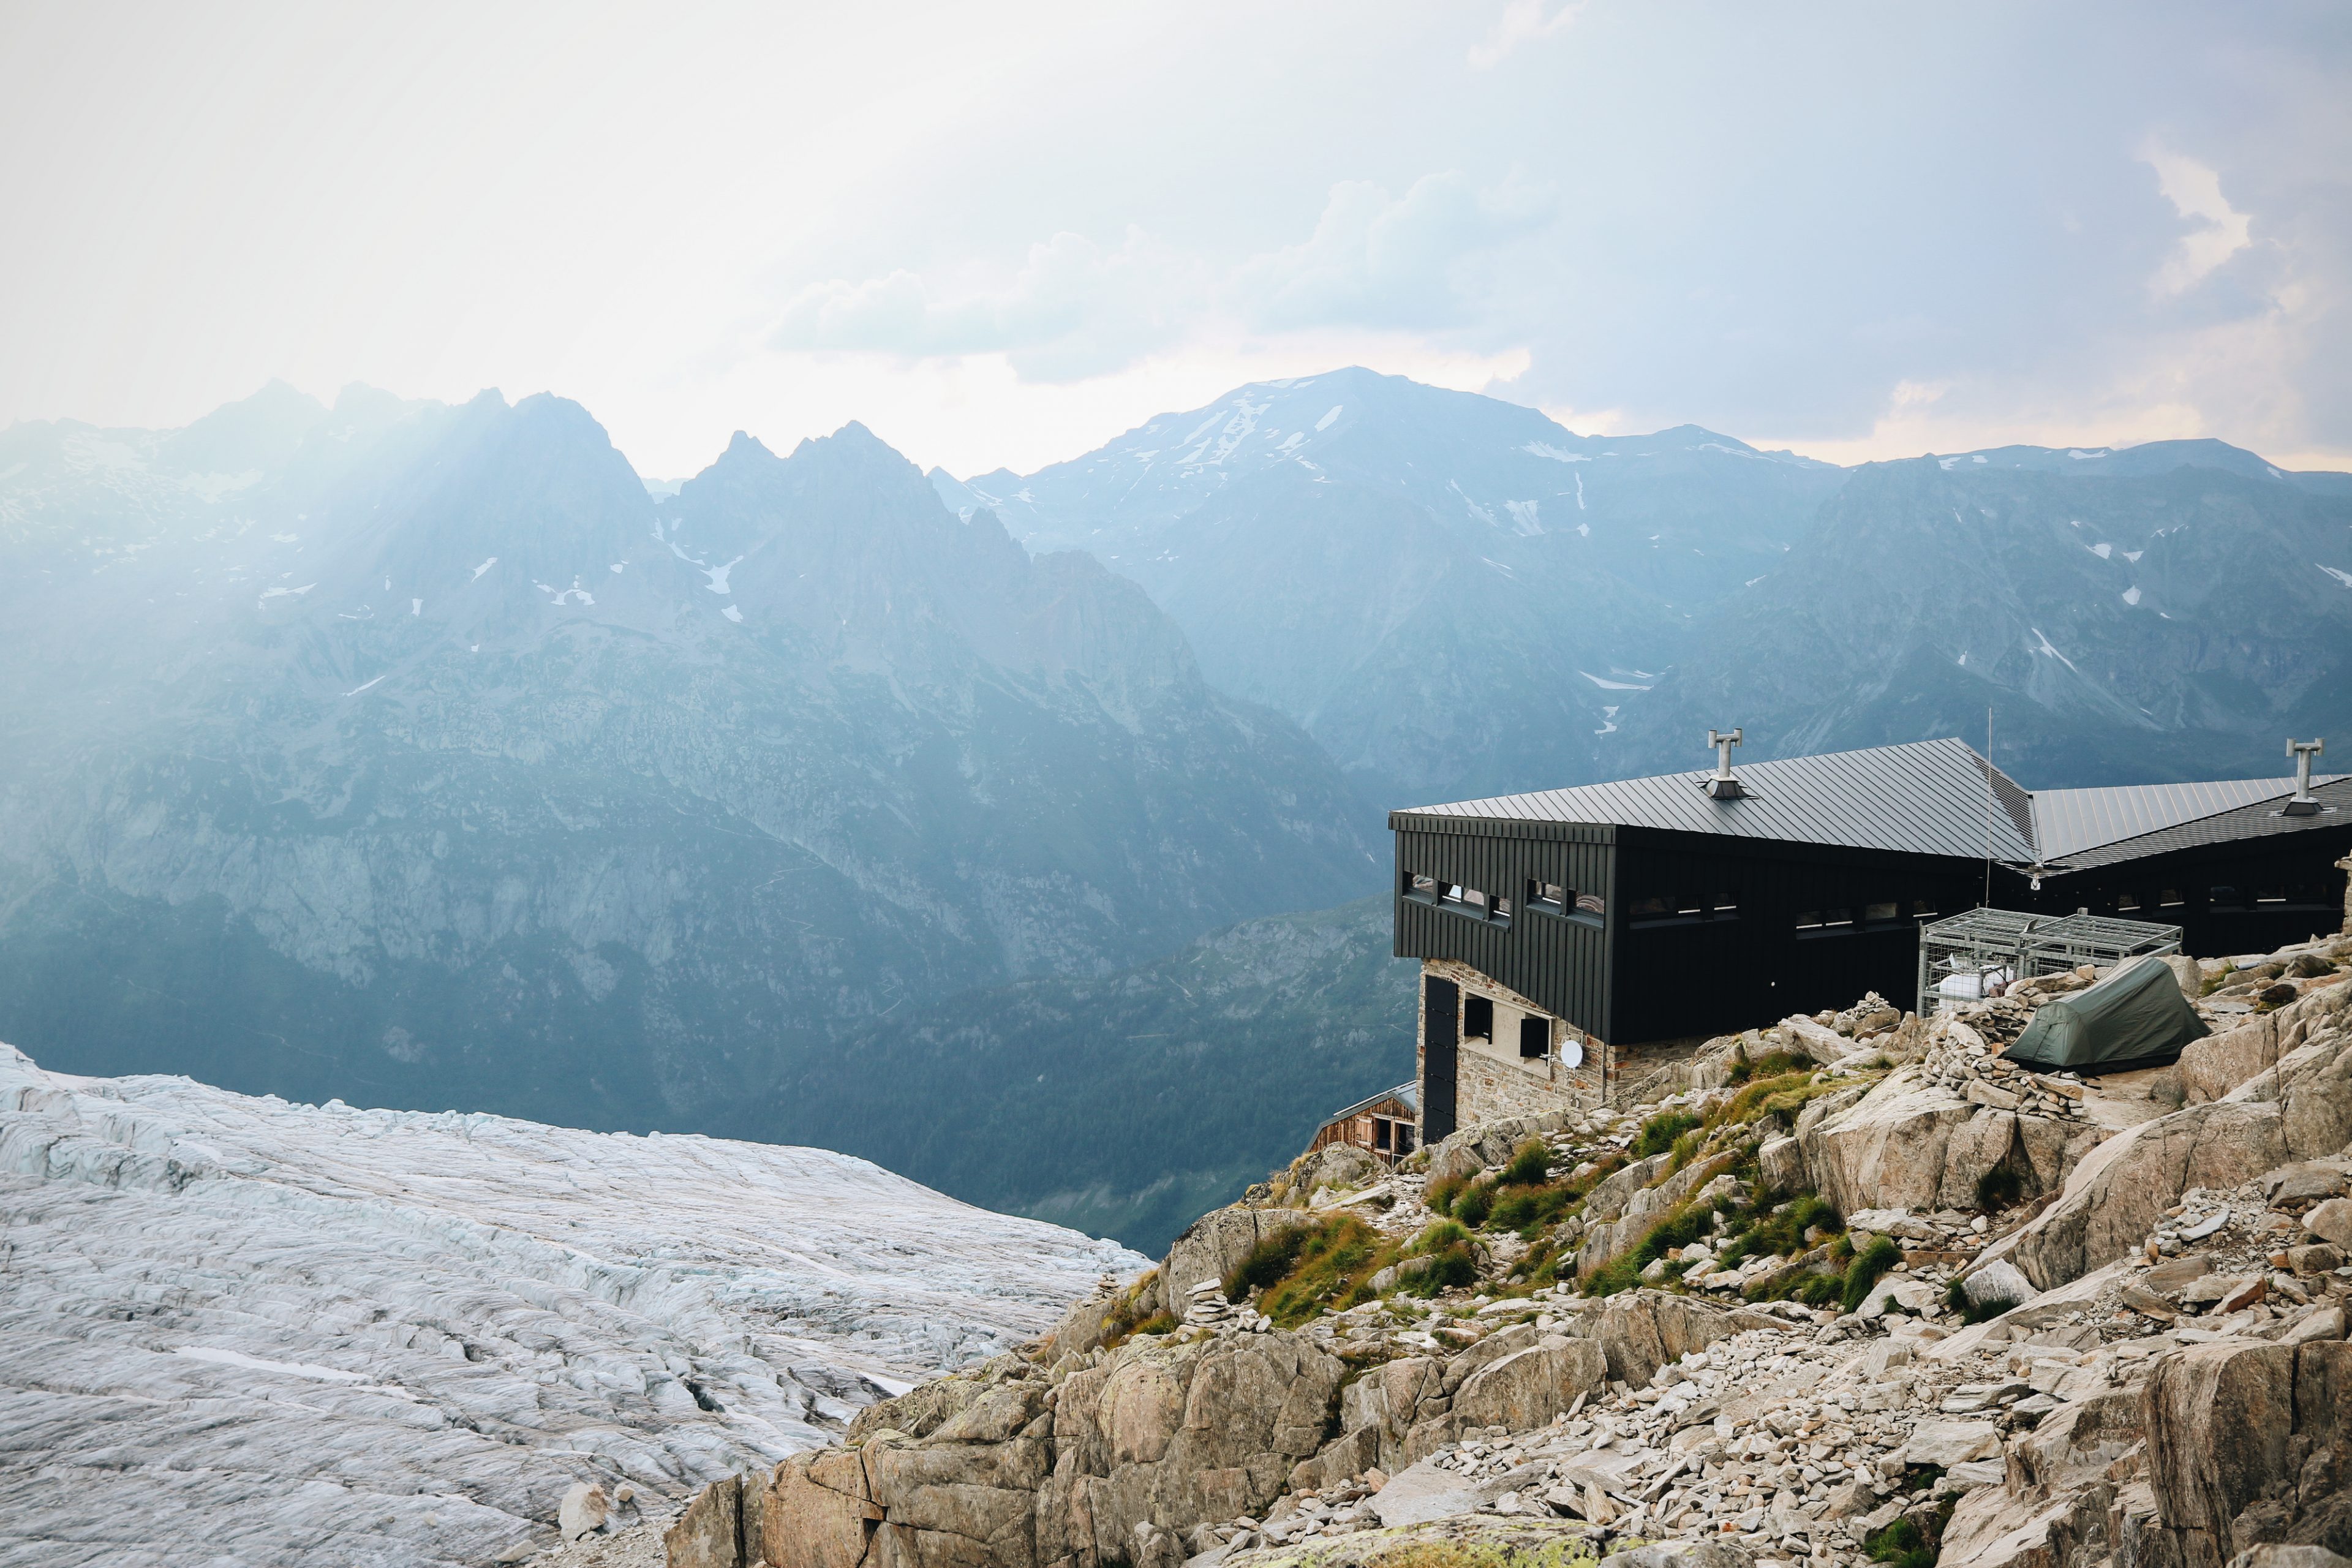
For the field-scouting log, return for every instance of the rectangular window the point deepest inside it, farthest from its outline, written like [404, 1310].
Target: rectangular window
[1404, 1138]
[1842, 917]
[2222, 898]
[1592, 904]
[1548, 896]
[1921, 908]
[1535, 1038]
[1879, 913]
[2270, 895]
[2169, 899]
[1648, 909]
[1726, 903]
[1417, 885]
[1502, 908]
[1380, 1125]
[1478, 1018]
[1809, 920]
[1469, 900]
[2126, 902]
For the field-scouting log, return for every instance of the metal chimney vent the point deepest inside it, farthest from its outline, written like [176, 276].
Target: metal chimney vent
[1723, 785]
[2304, 803]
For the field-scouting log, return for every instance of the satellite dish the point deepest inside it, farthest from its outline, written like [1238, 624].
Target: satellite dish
[1571, 1052]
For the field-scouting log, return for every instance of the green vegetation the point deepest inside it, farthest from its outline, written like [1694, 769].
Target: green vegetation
[1443, 1191]
[1908, 1543]
[1474, 1204]
[1330, 1272]
[1446, 1261]
[1266, 1264]
[1530, 1164]
[1659, 1133]
[1869, 1266]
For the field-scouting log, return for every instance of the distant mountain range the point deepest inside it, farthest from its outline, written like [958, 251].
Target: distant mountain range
[416, 755]
[430, 756]
[1457, 597]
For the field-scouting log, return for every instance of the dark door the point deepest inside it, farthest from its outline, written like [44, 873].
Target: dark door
[1441, 1021]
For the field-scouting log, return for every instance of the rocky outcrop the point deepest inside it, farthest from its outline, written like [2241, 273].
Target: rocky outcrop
[2298, 1109]
[1215, 1245]
[2212, 1066]
[1022, 1470]
[2249, 1443]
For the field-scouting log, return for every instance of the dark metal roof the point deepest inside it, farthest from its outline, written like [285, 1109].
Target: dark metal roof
[2261, 819]
[1925, 798]
[1407, 1094]
[2067, 821]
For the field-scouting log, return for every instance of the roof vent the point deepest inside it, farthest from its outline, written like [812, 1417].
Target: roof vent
[1723, 786]
[2304, 803]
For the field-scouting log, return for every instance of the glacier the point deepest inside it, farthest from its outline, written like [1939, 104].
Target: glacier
[239, 1331]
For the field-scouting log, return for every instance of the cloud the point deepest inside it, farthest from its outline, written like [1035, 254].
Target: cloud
[2221, 232]
[1423, 259]
[1375, 264]
[1072, 310]
[1522, 22]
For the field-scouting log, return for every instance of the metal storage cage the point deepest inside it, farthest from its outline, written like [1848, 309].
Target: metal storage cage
[1964, 958]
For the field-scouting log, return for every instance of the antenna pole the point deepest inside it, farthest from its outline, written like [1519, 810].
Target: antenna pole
[1988, 890]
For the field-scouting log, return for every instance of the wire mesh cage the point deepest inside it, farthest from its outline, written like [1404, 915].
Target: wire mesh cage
[1982, 952]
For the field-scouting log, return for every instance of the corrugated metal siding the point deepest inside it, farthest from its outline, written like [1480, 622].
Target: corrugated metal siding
[1927, 798]
[2194, 858]
[1561, 964]
[1684, 976]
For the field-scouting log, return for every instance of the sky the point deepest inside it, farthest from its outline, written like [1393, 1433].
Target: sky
[1001, 235]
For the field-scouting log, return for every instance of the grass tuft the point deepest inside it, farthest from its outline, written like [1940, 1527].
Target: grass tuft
[1869, 1266]
[1530, 1164]
[1659, 1133]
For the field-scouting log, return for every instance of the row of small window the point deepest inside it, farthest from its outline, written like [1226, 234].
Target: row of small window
[1550, 897]
[1682, 907]
[2278, 895]
[1882, 914]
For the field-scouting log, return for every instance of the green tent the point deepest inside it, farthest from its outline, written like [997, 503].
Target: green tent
[2136, 1018]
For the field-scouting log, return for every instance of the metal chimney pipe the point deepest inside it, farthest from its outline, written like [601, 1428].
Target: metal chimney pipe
[2303, 803]
[1724, 786]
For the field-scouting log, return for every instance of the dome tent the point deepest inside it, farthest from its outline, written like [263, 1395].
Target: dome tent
[2136, 1018]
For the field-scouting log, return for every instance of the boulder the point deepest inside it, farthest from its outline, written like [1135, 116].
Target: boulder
[2249, 1443]
[1526, 1388]
[2212, 1066]
[1823, 1044]
[1993, 1527]
[819, 1512]
[708, 1534]
[1388, 1399]
[584, 1510]
[1998, 1284]
[1641, 1331]
[2331, 1222]
[1949, 1443]
[1896, 1148]
[1781, 1163]
[1335, 1166]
